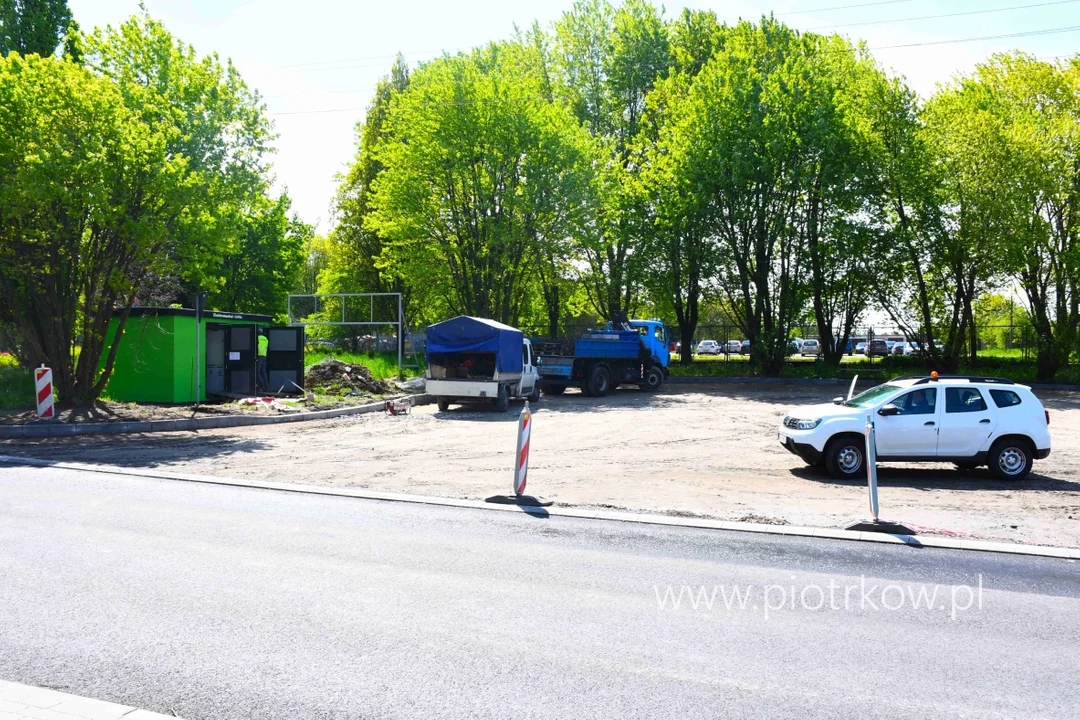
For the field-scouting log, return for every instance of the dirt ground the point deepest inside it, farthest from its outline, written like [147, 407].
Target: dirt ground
[688, 450]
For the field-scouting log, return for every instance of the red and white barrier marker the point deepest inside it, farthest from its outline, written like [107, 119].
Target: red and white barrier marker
[44, 388]
[521, 457]
[521, 467]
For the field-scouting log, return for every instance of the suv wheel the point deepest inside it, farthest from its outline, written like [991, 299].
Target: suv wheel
[845, 457]
[1010, 459]
[443, 404]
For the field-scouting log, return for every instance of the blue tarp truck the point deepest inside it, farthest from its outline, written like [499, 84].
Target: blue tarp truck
[473, 359]
[633, 352]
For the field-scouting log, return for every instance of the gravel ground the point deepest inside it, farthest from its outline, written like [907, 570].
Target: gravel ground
[709, 450]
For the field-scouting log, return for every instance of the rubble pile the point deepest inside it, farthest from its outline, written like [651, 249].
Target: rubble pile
[337, 377]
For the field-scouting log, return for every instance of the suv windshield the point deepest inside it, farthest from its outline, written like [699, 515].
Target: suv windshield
[871, 396]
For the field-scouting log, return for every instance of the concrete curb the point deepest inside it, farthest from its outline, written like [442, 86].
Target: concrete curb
[830, 533]
[26, 701]
[40, 430]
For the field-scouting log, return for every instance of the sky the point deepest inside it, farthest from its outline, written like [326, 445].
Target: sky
[316, 63]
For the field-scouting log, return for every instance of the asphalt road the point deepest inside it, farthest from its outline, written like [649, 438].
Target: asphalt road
[219, 602]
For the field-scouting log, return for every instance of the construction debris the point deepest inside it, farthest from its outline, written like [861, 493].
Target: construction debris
[337, 377]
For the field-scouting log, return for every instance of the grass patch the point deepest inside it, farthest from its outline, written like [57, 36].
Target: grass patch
[383, 365]
[1013, 368]
[16, 385]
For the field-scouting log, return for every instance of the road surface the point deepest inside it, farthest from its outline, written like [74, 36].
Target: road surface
[223, 602]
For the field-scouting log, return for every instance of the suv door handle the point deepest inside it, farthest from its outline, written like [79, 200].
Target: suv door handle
[928, 424]
[984, 421]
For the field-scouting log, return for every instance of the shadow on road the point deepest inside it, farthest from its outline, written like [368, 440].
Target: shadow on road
[944, 479]
[142, 450]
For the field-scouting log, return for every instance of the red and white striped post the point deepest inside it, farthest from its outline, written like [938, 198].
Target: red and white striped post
[521, 457]
[44, 389]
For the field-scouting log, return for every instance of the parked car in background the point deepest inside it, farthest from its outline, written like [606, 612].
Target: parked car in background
[810, 347]
[904, 348]
[733, 347]
[745, 347]
[879, 348]
[794, 345]
[708, 347]
[860, 349]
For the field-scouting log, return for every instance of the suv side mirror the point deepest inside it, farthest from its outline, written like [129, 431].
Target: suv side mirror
[889, 409]
[838, 400]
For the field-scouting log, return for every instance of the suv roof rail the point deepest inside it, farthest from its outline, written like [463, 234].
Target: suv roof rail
[970, 378]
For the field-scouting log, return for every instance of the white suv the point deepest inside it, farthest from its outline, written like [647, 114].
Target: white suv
[966, 420]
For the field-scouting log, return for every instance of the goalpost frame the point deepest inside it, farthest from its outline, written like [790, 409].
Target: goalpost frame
[399, 323]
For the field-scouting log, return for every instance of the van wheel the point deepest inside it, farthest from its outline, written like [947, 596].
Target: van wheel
[443, 404]
[501, 402]
[534, 396]
[554, 389]
[845, 457]
[654, 379]
[1010, 459]
[599, 381]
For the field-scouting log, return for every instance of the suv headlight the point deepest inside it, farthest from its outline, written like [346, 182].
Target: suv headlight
[807, 424]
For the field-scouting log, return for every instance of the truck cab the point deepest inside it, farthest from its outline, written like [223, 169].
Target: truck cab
[655, 337]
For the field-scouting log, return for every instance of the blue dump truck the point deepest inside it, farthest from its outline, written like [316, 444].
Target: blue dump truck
[633, 352]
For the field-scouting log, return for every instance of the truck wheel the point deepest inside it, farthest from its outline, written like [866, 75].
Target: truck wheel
[845, 457]
[599, 381]
[1010, 459]
[443, 404]
[654, 379]
[554, 389]
[501, 402]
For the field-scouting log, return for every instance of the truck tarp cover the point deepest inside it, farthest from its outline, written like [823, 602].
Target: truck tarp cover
[465, 334]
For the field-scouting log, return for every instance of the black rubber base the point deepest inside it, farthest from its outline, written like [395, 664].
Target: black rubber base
[881, 526]
[523, 500]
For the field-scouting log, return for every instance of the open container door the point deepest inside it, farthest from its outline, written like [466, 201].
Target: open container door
[240, 360]
[285, 360]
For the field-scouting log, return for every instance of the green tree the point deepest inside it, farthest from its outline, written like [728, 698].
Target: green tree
[87, 197]
[480, 170]
[744, 139]
[268, 262]
[1038, 107]
[608, 60]
[33, 27]
[207, 115]
[354, 248]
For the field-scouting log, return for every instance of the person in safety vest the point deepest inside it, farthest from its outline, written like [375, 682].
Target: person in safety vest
[262, 379]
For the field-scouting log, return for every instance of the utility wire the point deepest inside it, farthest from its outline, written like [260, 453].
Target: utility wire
[315, 63]
[946, 15]
[1048, 31]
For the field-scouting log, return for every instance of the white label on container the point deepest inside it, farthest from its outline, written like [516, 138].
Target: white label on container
[234, 356]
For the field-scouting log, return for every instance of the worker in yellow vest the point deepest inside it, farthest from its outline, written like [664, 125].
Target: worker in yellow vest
[262, 378]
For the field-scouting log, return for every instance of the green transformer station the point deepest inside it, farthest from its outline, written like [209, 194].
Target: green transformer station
[156, 360]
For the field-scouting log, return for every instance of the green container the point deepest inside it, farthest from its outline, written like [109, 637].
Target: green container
[155, 362]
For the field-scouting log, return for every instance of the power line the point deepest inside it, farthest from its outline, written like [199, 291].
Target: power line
[312, 65]
[841, 7]
[1049, 31]
[946, 15]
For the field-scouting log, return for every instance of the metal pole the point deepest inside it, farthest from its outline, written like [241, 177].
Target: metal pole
[871, 466]
[400, 333]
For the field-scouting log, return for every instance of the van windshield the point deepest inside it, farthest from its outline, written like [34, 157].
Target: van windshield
[871, 396]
